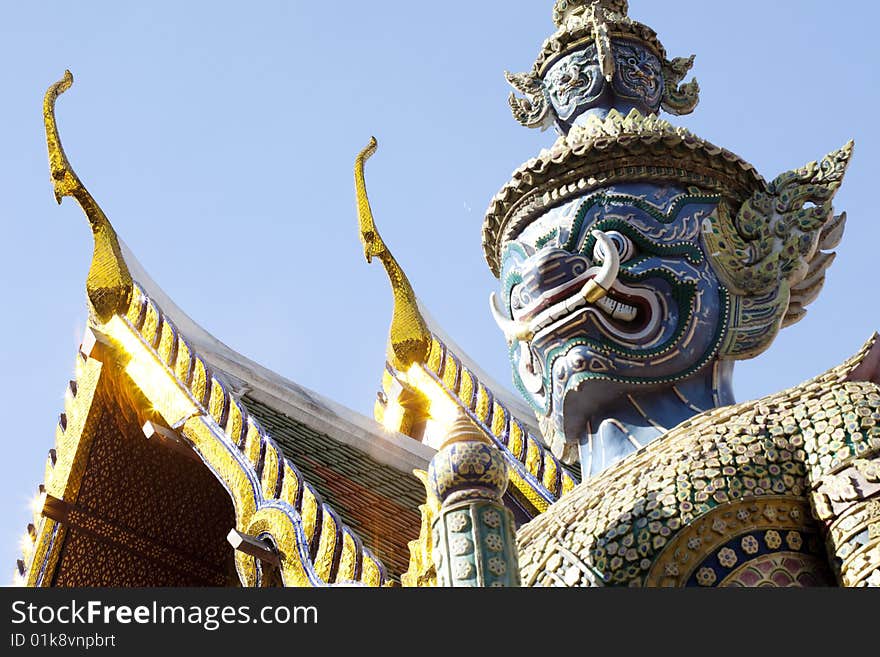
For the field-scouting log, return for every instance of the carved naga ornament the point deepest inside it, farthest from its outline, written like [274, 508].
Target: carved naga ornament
[109, 282]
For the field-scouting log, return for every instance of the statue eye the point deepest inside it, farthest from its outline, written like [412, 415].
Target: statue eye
[625, 246]
[519, 299]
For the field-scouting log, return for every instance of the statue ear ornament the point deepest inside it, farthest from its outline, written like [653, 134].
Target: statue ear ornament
[679, 98]
[772, 254]
[533, 111]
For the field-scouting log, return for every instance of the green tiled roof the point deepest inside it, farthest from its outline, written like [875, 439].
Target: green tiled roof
[379, 502]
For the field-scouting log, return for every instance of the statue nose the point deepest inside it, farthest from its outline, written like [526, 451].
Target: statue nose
[551, 268]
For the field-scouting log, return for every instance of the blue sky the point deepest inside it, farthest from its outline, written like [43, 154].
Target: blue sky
[219, 138]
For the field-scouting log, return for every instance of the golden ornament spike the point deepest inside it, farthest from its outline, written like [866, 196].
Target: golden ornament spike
[563, 9]
[602, 40]
[421, 571]
[409, 338]
[109, 282]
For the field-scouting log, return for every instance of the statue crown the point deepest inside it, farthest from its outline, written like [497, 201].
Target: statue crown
[599, 26]
[563, 9]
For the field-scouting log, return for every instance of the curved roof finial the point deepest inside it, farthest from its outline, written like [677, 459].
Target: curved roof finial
[409, 338]
[109, 282]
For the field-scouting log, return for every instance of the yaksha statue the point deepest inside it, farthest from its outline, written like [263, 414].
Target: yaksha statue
[637, 261]
[637, 264]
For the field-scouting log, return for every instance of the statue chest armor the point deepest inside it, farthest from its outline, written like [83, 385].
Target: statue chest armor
[735, 497]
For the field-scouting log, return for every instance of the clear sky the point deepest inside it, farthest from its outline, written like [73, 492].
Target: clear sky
[219, 138]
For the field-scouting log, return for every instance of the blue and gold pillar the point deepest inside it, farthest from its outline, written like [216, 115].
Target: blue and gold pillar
[473, 533]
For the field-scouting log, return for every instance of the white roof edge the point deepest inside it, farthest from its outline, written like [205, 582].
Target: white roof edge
[282, 394]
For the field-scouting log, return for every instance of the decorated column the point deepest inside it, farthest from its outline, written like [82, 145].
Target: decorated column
[473, 533]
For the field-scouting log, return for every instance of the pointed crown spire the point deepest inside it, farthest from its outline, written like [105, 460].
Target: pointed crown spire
[565, 8]
[581, 21]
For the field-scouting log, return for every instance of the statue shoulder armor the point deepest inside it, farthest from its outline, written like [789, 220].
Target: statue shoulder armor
[723, 496]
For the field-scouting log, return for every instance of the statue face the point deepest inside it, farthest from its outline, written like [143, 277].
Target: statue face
[575, 83]
[661, 321]
[638, 75]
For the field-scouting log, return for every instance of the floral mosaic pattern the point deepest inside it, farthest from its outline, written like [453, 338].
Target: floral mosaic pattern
[478, 534]
[782, 570]
[726, 471]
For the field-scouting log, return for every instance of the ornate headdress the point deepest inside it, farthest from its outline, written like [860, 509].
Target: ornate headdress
[585, 23]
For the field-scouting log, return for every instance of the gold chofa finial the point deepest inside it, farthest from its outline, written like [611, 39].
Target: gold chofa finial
[409, 338]
[565, 8]
[109, 282]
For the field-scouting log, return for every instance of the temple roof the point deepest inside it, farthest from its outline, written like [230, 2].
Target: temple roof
[361, 470]
[375, 499]
[284, 396]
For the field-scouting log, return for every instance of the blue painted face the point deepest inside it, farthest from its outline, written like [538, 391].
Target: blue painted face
[661, 321]
[638, 75]
[575, 84]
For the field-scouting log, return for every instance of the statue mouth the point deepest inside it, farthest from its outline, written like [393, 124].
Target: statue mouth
[631, 314]
[566, 299]
[628, 313]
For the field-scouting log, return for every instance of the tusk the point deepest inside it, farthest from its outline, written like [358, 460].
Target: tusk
[513, 331]
[610, 260]
[592, 292]
[597, 288]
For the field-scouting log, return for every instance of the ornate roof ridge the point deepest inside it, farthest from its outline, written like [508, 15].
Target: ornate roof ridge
[245, 376]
